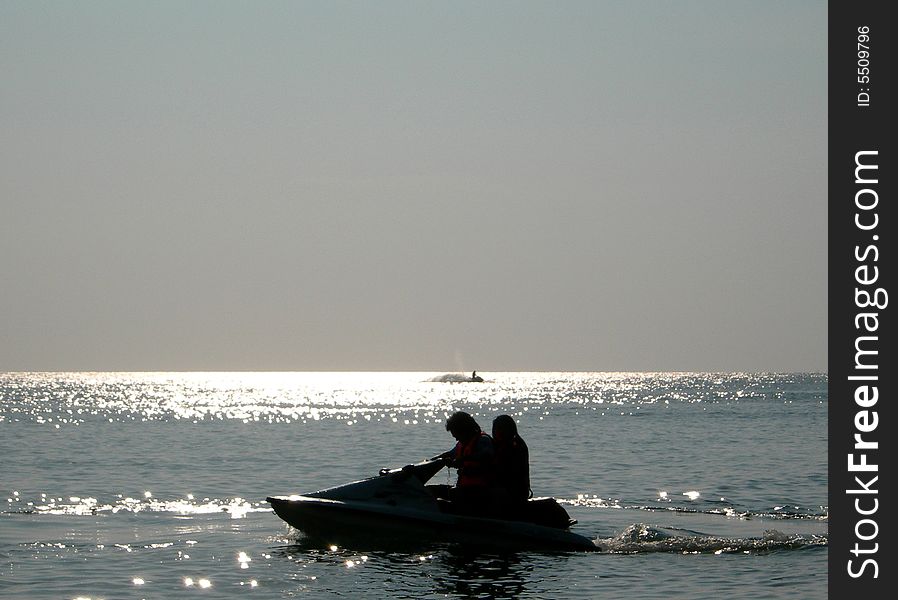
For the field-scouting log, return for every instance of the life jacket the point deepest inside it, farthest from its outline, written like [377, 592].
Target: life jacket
[473, 471]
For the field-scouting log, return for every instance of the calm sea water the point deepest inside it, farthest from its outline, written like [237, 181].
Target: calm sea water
[122, 485]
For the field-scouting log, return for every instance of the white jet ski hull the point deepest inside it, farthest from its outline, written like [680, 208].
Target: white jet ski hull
[397, 506]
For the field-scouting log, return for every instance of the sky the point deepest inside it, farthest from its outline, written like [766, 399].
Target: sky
[413, 186]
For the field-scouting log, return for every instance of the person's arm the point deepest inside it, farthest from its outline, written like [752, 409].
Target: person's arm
[449, 455]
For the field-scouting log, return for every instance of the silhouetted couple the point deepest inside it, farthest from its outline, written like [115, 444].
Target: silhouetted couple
[493, 472]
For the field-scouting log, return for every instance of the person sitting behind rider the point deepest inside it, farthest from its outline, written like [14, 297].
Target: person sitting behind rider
[474, 457]
[512, 460]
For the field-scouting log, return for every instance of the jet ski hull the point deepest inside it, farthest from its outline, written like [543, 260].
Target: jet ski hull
[396, 505]
[334, 520]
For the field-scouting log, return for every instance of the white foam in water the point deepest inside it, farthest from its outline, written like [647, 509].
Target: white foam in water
[641, 538]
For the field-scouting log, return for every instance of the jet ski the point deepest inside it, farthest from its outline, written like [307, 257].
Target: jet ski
[397, 503]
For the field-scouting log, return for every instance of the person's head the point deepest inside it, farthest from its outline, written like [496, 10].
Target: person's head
[462, 426]
[504, 428]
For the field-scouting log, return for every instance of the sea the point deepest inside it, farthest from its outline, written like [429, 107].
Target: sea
[153, 485]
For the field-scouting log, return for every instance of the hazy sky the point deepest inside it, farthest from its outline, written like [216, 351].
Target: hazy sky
[441, 186]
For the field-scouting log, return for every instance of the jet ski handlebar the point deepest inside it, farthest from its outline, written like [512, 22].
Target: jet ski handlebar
[423, 470]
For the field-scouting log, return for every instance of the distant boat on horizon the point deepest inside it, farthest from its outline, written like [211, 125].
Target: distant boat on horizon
[457, 378]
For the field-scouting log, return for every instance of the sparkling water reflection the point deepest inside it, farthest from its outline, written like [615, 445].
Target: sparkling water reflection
[712, 483]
